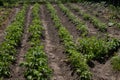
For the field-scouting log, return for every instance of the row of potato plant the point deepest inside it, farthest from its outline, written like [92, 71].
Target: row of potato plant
[112, 16]
[97, 48]
[79, 24]
[8, 48]
[36, 63]
[76, 59]
[113, 11]
[94, 48]
[115, 60]
[96, 22]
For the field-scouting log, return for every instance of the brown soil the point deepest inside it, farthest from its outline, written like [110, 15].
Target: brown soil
[7, 22]
[114, 32]
[55, 51]
[69, 26]
[104, 72]
[17, 72]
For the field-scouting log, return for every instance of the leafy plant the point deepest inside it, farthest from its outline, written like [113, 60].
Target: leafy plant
[77, 60]
[36, 63]
[12, 39]
[96, 22]
[79, 24]
[115, 61]
[97, 48]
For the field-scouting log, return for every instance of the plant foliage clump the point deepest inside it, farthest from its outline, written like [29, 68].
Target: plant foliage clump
[97, 48]
[116, 62]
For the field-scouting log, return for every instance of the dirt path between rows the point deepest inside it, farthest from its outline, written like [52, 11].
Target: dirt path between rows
[17, 72]
[8, 21]
[104, 72]
[69, 26]
[54, 50]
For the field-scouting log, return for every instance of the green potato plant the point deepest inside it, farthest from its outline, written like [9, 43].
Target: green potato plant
[77, 60]
[79, 24]
[36, 63]
[12, 38]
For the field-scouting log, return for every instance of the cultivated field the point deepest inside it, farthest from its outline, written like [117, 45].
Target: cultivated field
[70, 41]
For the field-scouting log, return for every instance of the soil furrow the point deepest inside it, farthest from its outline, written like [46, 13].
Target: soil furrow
[17, 70]
[104, 71]
[8, 21]
[54, 50]
[69, 26]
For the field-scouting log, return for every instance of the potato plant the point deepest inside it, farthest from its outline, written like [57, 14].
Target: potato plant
[97, 48]
[79, 24]
[12, 38]
[96, 22]
[77, 60]
[115, 61]
[36, 63]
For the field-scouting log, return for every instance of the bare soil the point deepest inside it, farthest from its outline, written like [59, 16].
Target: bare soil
[57, 59]
[17, 72]
[7, 22]
[114, 32]
[104, 71]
